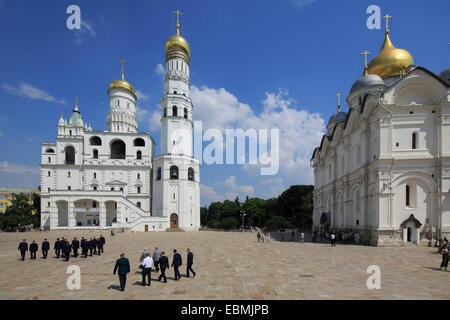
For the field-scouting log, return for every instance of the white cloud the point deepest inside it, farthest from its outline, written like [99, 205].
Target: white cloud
[235, 189]
[86, 29]
[19, 176]
[208, 195]
[155, 120]
[1, 133]
[300, 131]
[28, 91]
[142, 96]
[160, 69]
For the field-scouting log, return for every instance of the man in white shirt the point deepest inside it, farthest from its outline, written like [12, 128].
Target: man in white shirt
[302, 237]
[147, 265]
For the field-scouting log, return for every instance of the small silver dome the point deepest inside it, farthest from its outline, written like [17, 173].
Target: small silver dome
[369, 80]
[337, 117]
[445, 75]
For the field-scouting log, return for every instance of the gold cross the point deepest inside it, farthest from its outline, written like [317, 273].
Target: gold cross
[339, 101]
[122, 61]
[178, 13]
[76, 101]
[365, 53]
[387, 17]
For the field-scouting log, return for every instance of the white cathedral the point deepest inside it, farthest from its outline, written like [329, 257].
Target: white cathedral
[112, 179]
[383, 167]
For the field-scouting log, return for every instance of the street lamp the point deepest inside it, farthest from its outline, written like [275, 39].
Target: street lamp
[243, 219]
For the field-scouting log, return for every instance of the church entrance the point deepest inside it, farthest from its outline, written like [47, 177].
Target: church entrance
[411, 230]
[173, 220]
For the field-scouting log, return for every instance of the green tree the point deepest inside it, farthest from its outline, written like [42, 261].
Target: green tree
[19, 213]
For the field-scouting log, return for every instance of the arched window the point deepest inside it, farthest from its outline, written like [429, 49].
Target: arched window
[70, 154]
[191, 174]
[138, 204]
[139, 155]
[49, 151]
[158, 174]
[118, 150]
[174, 111]
[70, 132]
[185, 113]
[408, 190]
[95, 153]
[139, 142]
[414, 140]
[95, 141]
[174, 172]
[165, 112]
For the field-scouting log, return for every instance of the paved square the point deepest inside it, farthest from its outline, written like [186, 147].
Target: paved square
[229, 265]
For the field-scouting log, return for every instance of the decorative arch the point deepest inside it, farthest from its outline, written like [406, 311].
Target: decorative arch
[95, 141]
[139, 142]
[49, 150]
[174, 172]
[191, 175]
[118, 149]
[69, 154]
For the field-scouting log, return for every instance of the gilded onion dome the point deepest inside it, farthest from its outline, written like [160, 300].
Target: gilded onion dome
[122, 84]
[390, 61]
[177, 43]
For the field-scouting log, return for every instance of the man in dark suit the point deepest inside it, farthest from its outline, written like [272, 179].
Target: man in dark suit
[94, 243]
[91, 246]
[33, 249]
[176, 263]
[99, 246]
[163, 265]
[62, 243]
[190, 262]
[75, 245]
[84, 247]
[66, 250]
[45, 247]
[123, 264]
[23, 247]
[57, 247]
[102, 239]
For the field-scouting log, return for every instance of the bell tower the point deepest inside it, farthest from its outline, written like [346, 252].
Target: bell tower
[176, 173]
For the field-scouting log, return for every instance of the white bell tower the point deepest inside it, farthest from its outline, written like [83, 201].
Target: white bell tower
[176, 173]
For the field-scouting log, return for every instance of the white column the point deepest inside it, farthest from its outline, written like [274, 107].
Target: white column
[71, 215]
[102, 214]
[53, 215]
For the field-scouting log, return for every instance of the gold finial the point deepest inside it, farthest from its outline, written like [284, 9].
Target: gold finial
[339, 101]
[365, 53]
[178, 13]
[122, 61]
[387, 17]
[61, 115]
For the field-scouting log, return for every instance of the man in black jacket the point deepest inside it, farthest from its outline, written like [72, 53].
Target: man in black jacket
[190, 262]
[163, 265]
[91, 245]
[33, 249]
[176, 263]
[99, 246]
[23, 247]
[75, 245]
[123, 264]
[66, 250]
[84, 247]
[102, 239]
[45, 247]
[57, 247]
[94, 243]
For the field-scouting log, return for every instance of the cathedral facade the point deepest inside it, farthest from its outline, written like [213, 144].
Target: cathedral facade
[94, 179]
[383, 167]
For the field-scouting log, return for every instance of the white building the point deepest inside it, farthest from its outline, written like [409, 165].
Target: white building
[106, 179]
[383, 168]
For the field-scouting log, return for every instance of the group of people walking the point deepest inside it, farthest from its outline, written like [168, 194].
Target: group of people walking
[159, 261]
[63, 248]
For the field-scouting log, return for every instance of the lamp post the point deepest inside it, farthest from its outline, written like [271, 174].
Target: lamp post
[243, 219]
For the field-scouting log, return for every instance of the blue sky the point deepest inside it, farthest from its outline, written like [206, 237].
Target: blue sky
[266, 63]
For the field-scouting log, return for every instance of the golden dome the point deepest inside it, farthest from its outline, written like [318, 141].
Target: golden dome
[390, 61]
[177, 42]
[122, 84]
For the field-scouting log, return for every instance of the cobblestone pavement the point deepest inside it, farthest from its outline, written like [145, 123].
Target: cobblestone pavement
[229, 265]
